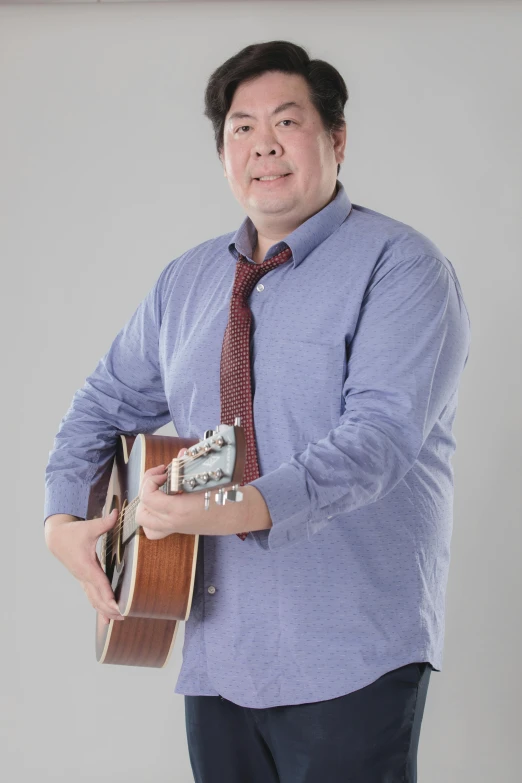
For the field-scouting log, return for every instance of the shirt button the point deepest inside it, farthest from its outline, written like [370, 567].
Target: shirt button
[260, 287]
[211, 589]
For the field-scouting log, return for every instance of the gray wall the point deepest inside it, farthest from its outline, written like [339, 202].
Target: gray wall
[108, 172]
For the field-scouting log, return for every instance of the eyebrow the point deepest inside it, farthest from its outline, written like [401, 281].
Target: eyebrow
[240, 115]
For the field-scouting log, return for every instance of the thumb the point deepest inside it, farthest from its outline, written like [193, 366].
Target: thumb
[103, 524]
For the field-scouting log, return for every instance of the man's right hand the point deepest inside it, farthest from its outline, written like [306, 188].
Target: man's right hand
[73, 542]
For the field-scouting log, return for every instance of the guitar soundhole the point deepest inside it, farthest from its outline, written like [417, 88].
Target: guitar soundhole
[119, 562]
[113, 560]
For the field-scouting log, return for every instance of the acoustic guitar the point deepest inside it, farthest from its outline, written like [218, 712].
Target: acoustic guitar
[153, 581]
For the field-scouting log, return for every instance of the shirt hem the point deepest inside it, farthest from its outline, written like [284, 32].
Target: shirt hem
[421, 657]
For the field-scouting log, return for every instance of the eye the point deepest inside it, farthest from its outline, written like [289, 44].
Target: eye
[248, 126]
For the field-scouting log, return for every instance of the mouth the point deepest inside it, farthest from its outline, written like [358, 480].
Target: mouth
[272, 181]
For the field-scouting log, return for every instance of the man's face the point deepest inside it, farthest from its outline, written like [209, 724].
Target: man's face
[291, 141]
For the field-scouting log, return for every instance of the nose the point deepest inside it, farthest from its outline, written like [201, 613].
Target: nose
[272, 151]
[266, 144]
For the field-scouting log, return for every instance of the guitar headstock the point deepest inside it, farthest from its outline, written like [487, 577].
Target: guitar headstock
[215, 462]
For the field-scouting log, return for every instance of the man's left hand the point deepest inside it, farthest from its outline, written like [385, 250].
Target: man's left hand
[160, 514]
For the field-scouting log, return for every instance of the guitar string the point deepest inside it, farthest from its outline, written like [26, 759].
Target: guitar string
[114, 532]
[181, 461]
[122, 517]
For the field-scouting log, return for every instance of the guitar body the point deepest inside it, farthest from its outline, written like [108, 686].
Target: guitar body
[152, 581]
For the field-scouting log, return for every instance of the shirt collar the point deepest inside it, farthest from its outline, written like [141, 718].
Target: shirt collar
[304, 238]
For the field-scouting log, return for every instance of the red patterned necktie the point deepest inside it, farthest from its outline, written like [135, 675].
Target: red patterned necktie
[235, 380]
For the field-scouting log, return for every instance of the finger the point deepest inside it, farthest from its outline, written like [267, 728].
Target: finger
[96, 577]
[101, 525]
[154, 471]
[150, 493]
[150, 520]
[182, 452]
[157, 470]
[154, 481]
[150, 482]
[102, 585]
[108, 609]
[153, 535]
[107, 603]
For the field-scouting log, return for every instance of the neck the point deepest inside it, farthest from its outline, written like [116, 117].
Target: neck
[261, 249]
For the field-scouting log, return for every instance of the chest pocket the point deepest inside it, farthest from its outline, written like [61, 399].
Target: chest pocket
[298, 387]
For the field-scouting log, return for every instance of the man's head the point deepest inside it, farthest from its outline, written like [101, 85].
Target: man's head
[305, 141]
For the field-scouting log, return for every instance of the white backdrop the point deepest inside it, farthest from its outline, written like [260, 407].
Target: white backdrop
[108, 172]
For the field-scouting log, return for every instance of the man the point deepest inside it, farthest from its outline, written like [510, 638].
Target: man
[310, 643]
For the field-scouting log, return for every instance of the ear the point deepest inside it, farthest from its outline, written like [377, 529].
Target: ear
[339, 143]
[224, 169]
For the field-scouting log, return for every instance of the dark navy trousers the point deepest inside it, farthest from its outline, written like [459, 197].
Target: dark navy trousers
[368, 736]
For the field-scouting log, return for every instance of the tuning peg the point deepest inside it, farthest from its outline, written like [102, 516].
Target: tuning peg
[220, 497]
[234, 495]
[208, 434]
[207, 500]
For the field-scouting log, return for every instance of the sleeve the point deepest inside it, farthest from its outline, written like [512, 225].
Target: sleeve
[124, 394]
[408, 351]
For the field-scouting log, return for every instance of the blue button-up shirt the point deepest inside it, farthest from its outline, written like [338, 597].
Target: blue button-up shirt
[358, 344]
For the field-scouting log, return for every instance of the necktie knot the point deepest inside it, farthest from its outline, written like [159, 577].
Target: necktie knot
[248, 274]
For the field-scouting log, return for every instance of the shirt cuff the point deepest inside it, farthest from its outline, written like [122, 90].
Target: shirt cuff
[65, 497]
[286, 496]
